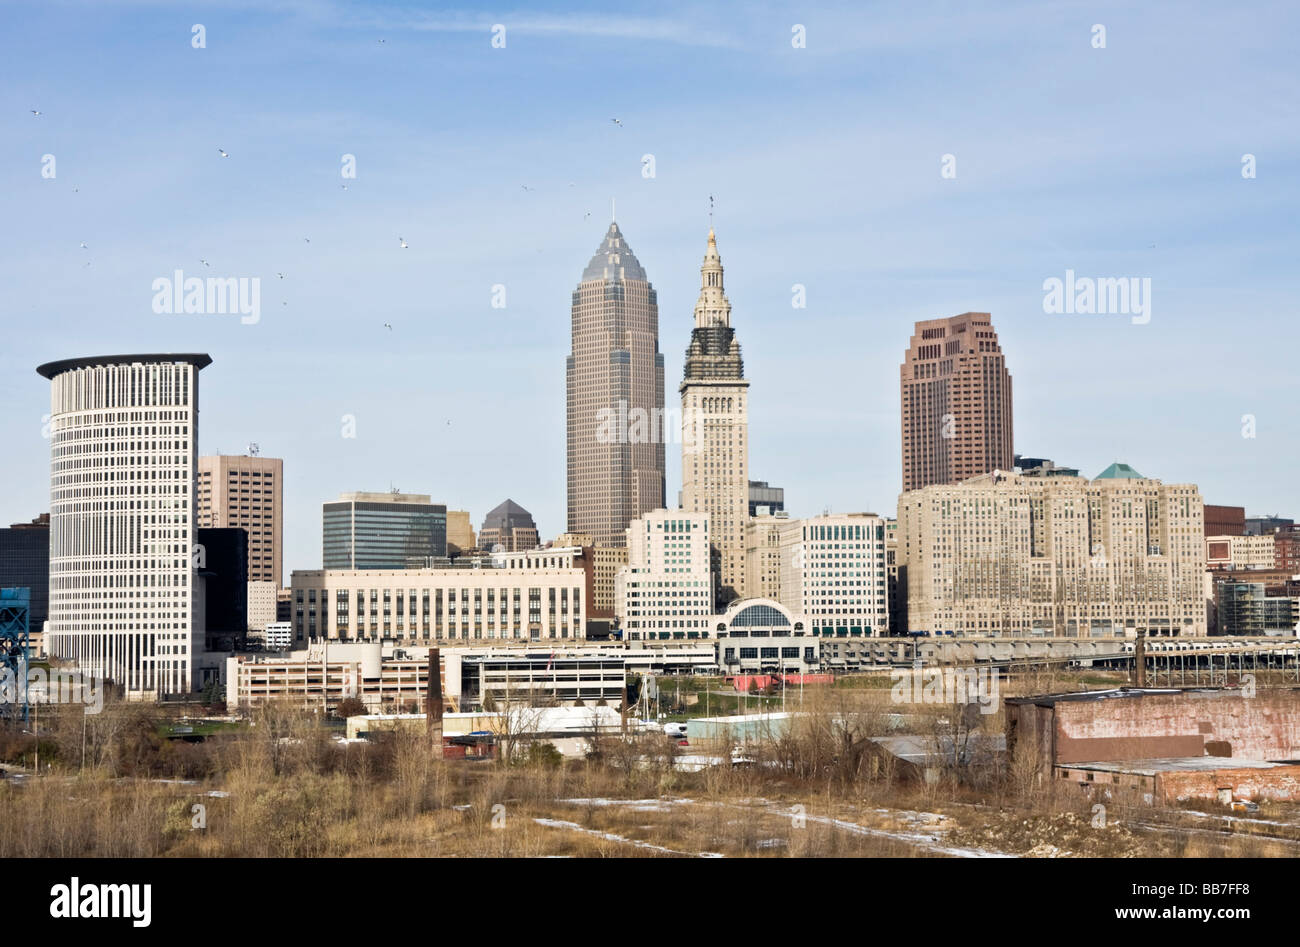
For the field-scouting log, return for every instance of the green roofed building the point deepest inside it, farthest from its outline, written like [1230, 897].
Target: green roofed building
[1118, 471]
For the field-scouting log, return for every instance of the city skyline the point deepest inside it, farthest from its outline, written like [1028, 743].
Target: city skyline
[1024, 207]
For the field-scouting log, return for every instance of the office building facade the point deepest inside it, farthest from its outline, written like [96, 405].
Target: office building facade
[25, 563]
[123, 445]
[543, 598]
[956, 402]
[1004, 554]
[834, 573]
[614, 401]
[715, 429]
[246, 492]
[382, 530]
[665, 592]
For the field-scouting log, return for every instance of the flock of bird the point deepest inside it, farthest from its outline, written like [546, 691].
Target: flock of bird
[401, 242]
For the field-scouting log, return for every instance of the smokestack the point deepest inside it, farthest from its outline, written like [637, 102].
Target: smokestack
[1140, 660]
[433, 700]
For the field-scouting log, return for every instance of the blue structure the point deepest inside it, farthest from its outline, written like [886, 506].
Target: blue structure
[15, 612]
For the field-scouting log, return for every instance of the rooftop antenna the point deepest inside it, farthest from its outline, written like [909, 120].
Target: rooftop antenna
[710, 212]
[613, 216]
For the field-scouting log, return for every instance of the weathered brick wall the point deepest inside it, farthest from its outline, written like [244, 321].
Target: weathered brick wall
[1030, 727]
[1157, 726]
[1281, 782]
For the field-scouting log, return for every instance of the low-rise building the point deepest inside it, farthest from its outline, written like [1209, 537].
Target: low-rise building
[1243, 608]
[1161, 745]
[326, 674]
[759, 635]
[534, 596]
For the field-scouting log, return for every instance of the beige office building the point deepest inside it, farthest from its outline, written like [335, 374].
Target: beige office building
[538, 596]
[614, 396]
[763, 555]
[1240, 552]
[1005, 554]
[247, 492]
[665, 592]
[460, 531]
[956, 402]
[715, 429]
[606, 562]
[834, 572]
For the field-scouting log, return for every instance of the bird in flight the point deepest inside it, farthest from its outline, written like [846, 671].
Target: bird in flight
[526, 187]
[222, 152]
[617, 122]
[383, 41]
[586, 215]
[83, 245]
[205, 262]
[308, 239]
[388, 326]
[344, 186]
[35, 112]
[75, 189]
[402, 243]
[281, 275]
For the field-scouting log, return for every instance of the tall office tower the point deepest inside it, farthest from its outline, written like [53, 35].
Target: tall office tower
[247, 492]
[614, 396]
[123, 452]
[715, 429]
[956, 400]
[382, 530]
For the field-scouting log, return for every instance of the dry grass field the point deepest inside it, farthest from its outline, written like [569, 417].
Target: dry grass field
[281, 786]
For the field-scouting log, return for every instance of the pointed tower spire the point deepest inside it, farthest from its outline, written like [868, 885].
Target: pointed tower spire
[712, 308]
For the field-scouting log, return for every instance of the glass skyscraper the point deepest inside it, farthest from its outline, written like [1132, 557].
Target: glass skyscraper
[382, 530]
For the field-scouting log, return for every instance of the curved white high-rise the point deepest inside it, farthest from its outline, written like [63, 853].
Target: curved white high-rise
[123, 453]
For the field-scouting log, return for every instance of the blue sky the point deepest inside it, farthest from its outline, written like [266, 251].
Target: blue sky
[825, 166]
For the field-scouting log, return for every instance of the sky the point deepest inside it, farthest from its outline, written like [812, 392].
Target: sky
[497, 166]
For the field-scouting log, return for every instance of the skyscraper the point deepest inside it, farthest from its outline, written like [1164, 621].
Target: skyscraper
[956, 402]
[123, 451]
[614, 396]
[715, 429]
[247, 492]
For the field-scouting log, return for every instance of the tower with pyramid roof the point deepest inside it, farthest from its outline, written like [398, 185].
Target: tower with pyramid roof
[614, 396]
